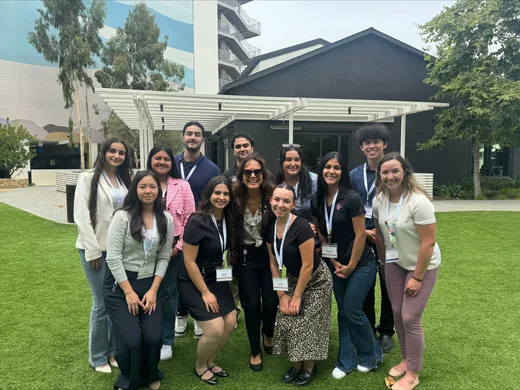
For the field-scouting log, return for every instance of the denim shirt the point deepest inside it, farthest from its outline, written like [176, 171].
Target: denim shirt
[358, 183]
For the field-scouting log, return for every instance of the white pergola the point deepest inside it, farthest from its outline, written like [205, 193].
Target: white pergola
[148, 111]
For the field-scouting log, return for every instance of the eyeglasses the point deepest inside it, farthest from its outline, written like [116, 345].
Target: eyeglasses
[249, 172]
[289, 145]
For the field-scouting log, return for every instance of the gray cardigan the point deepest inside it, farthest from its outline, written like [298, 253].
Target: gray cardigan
[126, 254]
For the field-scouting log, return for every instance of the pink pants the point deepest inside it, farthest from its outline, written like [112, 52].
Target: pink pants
[408, 311]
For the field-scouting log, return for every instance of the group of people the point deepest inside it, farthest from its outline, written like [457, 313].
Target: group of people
[180, 238]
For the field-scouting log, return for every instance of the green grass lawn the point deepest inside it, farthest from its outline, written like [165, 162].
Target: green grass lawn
[471, 322]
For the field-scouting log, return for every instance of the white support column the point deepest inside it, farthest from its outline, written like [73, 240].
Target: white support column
[141, 139]
[150, 144]
[291, 128]
[403, 135]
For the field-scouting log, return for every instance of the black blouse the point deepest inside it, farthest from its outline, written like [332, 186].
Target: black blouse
[200, 230]
[299, 232]
[348, 206]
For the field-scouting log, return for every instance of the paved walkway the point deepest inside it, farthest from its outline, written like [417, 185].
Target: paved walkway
[48, 203]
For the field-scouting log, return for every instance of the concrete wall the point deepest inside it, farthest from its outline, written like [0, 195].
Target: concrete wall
[206, 46]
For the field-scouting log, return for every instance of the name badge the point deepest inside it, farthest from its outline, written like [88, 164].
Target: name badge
[330, 251]
[280, 284]
[146, 271]
[368, 212]
[224, 274]
[392, 256]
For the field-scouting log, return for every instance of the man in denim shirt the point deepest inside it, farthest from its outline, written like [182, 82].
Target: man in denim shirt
[373, 139]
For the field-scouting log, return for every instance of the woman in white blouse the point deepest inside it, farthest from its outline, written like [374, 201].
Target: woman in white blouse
[405, 237]
[98, 193]
[140, 240]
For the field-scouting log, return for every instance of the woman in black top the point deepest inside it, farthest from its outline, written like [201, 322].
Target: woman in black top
[341, 224]
[249, 256]
[303, 326]
[203, 279]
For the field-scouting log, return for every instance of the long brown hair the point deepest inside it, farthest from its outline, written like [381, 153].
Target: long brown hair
[410, 185]
[123, 172]
[240, 189]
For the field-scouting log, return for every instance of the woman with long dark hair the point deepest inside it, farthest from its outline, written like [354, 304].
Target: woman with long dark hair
[140, 240]
[98, 193]
[250, 258]
[341, 224]
[204, 276]
[305, 294]
[292, 171]
[406, 240]
[179, 203]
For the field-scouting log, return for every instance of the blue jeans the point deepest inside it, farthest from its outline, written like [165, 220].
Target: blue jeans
[355, 333]
[101, 342]
[170, 297]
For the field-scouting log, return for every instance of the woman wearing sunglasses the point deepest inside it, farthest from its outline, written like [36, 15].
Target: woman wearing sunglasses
[250, 258]
[292, 171]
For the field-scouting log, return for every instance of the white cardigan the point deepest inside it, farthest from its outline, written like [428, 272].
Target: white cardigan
[94, 242]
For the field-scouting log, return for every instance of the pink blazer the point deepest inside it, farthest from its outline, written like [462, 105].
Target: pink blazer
[179, 204]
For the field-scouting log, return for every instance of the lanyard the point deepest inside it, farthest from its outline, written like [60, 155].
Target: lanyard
[366, 182]
[279, 255]
[224, 231]
[328, 220]
[296, 190]
[118, 194]
[187, 178]
[392, 227]
[147, 244]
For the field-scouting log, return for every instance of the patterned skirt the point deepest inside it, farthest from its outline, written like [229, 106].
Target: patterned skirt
[306, 336]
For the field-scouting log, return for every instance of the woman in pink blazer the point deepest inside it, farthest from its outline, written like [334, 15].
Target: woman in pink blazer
[179, 203]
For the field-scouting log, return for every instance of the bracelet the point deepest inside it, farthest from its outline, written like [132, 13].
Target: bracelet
[419, 280]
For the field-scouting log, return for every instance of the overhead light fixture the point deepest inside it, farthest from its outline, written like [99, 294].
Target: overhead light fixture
[162, 107]
[285, 127]
[220, 106]
[162, 119]
[163, 127]
[350, 110]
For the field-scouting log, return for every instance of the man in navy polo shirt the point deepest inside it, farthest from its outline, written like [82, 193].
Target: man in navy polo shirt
[373, 139]
[197, 170]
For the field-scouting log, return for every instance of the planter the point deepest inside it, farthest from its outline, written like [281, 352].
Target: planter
[14, 183]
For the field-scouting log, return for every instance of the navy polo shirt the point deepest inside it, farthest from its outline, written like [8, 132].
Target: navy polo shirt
[205, 171]
[358, 183]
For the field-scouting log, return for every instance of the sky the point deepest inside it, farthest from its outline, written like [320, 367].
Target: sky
[289, 22]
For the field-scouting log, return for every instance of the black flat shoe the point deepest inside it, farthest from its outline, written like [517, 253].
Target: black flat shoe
[304, 377]
[290, 374]
[256, 367]
[221, 374]
[211, 381]
[386, 343]
[268, 350]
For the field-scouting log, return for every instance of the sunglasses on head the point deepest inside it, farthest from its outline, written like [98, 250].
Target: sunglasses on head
[289, 145]
[249, 172]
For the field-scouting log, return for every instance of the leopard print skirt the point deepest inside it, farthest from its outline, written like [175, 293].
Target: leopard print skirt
[306, 336]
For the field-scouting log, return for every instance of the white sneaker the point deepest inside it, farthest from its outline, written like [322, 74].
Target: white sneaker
[363, 369]
[197, 330]
[104, 369]
[338, 374]
[181, 326]
[166, 352]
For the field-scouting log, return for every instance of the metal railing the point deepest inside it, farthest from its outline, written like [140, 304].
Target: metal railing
[252, 24]
[227, 28]
[227, 56]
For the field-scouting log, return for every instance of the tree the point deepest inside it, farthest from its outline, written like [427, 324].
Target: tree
[14, 149]
[134, 57]
[477, 67]
[66, 33]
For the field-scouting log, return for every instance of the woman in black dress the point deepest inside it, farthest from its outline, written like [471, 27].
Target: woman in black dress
[204, 277]
[303, 325]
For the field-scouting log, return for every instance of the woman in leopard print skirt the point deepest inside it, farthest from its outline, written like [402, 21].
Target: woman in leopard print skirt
[303, 322]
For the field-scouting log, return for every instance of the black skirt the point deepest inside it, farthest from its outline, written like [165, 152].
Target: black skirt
[192, 298]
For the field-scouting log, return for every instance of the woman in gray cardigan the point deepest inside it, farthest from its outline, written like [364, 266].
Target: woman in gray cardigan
[140, 240]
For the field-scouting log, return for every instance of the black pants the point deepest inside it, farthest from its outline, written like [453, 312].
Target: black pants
[386, 319]
[258, 299]
[138, 338]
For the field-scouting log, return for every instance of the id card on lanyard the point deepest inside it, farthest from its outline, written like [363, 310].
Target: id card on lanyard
[147, 269]
[117, 193]
[392, 254]
[280, 284]
[330, 250]
[368, 207]
[224, 273]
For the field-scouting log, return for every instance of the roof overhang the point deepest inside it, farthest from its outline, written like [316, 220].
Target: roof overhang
[171, 110]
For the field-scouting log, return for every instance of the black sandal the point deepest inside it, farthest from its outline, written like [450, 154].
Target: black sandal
[222, 373]
[211, 381]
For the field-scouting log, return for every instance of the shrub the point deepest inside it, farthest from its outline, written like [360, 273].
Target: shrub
[510, 193]
[451, 190]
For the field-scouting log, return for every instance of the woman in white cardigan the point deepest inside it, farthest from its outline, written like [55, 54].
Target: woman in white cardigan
[98, 193]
